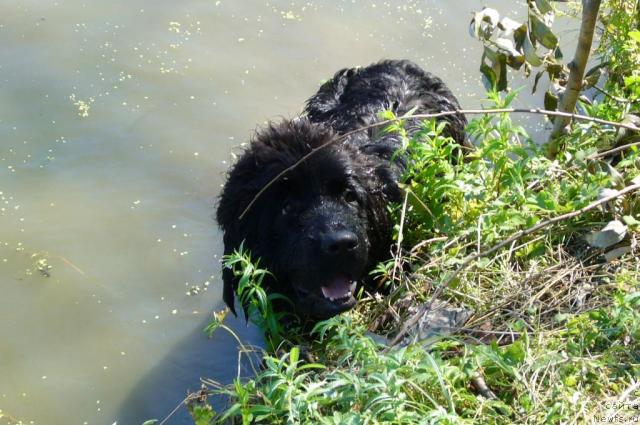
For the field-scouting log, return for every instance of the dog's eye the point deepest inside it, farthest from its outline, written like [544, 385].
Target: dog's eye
[287, 209]
[350, 196]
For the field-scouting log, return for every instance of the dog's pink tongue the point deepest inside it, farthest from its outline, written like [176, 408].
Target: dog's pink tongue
[339, 287]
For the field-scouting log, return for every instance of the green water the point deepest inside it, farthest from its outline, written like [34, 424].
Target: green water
[117, 123]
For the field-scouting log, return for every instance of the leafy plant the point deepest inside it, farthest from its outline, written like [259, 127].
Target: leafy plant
[257, 305]
[508, 43]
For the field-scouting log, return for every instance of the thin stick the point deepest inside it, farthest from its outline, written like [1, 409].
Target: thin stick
[616, 149]
[425, 242]
[426, 116]
[481, 386]
[73, 266]
[427, 307]
[173, 412]
[396, 263]
[616, 98]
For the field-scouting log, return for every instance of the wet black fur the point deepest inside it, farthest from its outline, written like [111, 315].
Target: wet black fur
[343, 189]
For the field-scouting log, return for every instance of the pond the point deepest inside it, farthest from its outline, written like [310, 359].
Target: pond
[118, 121]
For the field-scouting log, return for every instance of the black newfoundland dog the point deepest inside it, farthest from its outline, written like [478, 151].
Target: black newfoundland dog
[322, 226]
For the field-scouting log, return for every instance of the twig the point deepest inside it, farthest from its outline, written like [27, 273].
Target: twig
[427, 116]
[609, 95]
[481, 331]
[70, 264]
[614, 150]
[425, 242]
[396, 263]
[427, 307]
[173, 412]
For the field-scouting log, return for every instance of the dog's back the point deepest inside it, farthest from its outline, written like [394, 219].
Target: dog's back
[355, 96]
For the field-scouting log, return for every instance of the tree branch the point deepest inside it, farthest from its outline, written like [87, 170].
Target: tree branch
[616, 149]
[576, 74]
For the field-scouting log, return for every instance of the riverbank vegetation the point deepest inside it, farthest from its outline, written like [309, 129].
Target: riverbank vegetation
[536, 255]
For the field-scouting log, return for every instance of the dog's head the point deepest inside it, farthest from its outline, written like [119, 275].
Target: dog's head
[321, 226]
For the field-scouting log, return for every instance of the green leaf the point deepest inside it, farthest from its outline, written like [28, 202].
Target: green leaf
[386, 115]
[484, 23]
[592, 78]
[542, 32]
[294, 355]
[511, 96]
[545, 201]
[489, 79]
[555, 70]
[530, 53]
[550, 101]
[632, 82]
[535, 81]
[515, 353]
[635, 35]
[233, 410]
[500, 68]
[544, 6]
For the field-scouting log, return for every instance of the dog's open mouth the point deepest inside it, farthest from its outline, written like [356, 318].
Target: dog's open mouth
[339, 289]
[334, 297]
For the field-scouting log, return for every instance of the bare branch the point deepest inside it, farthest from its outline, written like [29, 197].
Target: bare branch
[616, 98]
[616, 149]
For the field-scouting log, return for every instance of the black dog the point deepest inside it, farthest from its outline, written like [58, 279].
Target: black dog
[322, 226]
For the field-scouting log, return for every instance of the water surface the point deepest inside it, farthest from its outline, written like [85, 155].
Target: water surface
[117, 123]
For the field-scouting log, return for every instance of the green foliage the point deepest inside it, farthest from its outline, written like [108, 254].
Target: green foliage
[505, 186]
[620, 46]
[508, 43]
[354, 383]
[257, 305]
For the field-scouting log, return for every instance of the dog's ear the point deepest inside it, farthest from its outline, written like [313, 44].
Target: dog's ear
[328, 97]
[246, 178]
[236, 195]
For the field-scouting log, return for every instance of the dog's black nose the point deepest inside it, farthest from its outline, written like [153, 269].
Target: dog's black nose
[339, 242]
